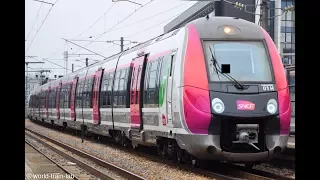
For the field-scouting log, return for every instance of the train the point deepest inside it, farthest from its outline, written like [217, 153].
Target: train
[214, 89]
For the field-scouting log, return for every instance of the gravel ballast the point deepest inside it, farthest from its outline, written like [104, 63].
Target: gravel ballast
[137, 164]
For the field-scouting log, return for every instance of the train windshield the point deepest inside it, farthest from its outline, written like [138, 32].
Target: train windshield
[248, 60]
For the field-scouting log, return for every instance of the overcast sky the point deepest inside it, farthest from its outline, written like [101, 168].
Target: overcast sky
[70, 18]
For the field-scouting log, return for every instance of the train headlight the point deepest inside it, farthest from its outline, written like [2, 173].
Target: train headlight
[227, 30]
[272, 106]
[217, 105]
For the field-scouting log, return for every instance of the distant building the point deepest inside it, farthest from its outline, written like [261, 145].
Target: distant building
[280, 28]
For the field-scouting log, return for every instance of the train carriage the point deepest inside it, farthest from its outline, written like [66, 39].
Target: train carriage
[213, 89]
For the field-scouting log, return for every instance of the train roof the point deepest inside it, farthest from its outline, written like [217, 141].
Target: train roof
[212, 28]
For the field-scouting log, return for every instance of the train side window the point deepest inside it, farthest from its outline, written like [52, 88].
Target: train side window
[151, 97]
[122, 78]
[91, 91]
[65, 97]
[127, 85]
[53, 98]
[158, 74]
[84, 93]
[116, 89]
[145, 89]
[54, 101]
[61, 96]
[173, 59]
[109, 90]
[50, 97]
[50, 102]
[81, 90]
[103, 93]
[121, 93]
[70, 94]
[87, 92]
[44, 99]
[116, 81]
[138, 82]
[79, 94]
[132, 84]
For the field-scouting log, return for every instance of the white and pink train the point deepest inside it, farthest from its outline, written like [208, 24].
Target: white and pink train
[172, 92]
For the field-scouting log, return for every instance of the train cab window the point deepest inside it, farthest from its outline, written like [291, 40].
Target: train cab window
[151, 87]
[248, 61]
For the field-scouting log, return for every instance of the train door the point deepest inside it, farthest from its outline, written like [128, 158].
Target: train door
[73, 98]
[58, 100]
[96, 96]
[135, 91]
[47, 101]
[169, 91]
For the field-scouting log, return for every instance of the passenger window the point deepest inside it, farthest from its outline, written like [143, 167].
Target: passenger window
[151, 83]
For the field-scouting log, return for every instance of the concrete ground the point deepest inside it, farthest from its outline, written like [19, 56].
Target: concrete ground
[37, 165]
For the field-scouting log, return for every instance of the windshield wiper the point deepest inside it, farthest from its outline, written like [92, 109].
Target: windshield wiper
[218, 71]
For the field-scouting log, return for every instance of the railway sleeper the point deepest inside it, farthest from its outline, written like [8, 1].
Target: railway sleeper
[166, 148]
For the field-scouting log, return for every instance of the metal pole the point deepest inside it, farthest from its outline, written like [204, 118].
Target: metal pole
[87, 62]
[66, 62]
[41, 78]
[26, 85]
[121, 43]
[277, 24]
[72, 67]
[264, 14]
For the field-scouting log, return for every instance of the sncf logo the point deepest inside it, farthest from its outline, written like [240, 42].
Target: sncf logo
[245, 105]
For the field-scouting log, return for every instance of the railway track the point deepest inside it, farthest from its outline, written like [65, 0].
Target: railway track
[53, 145]
[217, 171]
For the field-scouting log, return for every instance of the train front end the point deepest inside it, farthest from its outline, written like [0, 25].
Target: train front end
[236, 99]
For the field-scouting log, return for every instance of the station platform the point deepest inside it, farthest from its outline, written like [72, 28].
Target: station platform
[37, 166]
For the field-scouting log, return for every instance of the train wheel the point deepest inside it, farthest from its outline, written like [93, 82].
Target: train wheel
[178, 154]
[194, 162]
[164, 153]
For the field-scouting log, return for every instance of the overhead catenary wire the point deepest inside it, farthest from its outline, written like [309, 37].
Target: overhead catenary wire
[84, 30]
[35, 20]
[85, 48]
[146, 18]
[153, 26]
[96, 20]
[147, 29]
[116, 25]
[56, 64]
[41, 25]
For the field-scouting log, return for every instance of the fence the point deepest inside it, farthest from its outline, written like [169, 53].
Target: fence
[291, 80]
